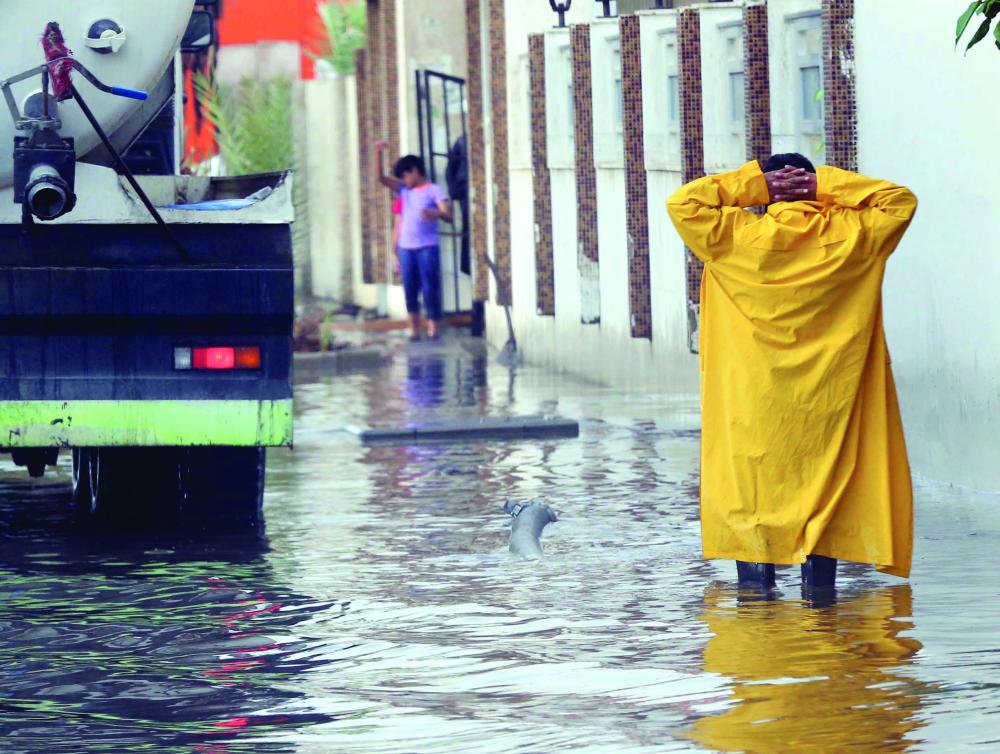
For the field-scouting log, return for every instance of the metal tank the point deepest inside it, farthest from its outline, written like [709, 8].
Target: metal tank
[135, 58]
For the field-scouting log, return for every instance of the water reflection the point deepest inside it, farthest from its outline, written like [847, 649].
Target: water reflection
[808, 679]
[112, 642]
[437, 374]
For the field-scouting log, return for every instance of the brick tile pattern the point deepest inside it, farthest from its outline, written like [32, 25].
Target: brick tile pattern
[839, 103]
[392, 115]
[692, 139]
[501, 173]
[380, 205]
[757, 76]
[476, 152]
[583, 129]
[586, 175]
[544, 272]
[364, 164]
[636, 202]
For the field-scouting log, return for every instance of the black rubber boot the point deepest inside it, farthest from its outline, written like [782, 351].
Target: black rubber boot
[819, 572]
[755, 574]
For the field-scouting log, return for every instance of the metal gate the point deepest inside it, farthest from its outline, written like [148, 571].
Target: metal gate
[441, 122]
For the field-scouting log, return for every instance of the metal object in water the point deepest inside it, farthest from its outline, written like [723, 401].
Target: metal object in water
[526, 530]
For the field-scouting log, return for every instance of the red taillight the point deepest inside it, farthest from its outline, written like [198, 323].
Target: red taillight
[217, 357]
[213, 358]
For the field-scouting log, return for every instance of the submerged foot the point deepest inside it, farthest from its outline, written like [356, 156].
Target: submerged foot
[755, 574]
[819, 572]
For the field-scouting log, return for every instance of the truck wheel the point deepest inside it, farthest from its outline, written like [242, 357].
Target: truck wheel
[81, 481]
[222, 489]
[132, 485]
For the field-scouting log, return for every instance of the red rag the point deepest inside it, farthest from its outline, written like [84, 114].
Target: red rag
[55, 47]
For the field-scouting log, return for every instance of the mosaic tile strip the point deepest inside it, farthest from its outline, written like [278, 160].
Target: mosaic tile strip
[636, 202]
[364, 163]
[476, 151]
[501, 175]
[758, 82]
[392, 113]
[839, 104]
[692, 141]
[586, 176]
[583, 122]
[544, 270]
[381, 203]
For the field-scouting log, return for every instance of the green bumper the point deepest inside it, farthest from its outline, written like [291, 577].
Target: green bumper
[99, 424]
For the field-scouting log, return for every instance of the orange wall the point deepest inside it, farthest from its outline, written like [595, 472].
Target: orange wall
[249, 21]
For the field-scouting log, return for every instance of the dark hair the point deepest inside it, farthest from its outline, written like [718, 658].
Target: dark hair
[778, 161]
[407, 163]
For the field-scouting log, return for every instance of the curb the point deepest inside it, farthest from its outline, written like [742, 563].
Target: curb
[506, 428]
[347, 360]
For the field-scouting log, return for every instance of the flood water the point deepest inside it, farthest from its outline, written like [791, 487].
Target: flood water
[383, 614]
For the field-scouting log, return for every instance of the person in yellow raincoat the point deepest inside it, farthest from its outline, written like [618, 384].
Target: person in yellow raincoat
[803, 458]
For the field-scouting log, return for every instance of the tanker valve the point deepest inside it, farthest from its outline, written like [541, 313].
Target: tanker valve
[44, 173]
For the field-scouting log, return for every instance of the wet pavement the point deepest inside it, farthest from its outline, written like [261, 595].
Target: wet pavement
[383, 613]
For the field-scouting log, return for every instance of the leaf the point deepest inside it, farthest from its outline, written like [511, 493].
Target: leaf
[963, 21]
[981, 32]
[345, 27]
[996, 35]
[819, 95]
[991, 9]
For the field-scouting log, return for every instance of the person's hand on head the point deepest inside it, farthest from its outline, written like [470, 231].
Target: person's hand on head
[791, 184]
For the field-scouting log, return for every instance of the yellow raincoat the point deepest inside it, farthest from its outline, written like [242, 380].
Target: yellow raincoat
[802, 443]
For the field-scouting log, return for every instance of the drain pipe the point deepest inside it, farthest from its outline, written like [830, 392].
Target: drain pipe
[526, 530]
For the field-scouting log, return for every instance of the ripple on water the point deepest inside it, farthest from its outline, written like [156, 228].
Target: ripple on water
[382, 613]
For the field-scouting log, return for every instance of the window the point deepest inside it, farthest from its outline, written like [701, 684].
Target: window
[807, 47]
[618, 94]
[734, 71]
[811, 93]
[673, 96]
[570, 102]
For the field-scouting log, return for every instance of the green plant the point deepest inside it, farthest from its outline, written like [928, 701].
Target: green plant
[254, 133]
[987, 8]
[253, 123]
[346, 27]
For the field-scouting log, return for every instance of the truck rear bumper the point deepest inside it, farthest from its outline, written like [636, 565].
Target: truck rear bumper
[145, 423]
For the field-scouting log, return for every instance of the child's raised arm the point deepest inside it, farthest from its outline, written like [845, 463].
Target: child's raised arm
[390, 182]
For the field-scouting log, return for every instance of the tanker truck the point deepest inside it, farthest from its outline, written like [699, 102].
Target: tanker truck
[145, 320]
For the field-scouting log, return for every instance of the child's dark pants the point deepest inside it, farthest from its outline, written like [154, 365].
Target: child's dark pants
[421, 269]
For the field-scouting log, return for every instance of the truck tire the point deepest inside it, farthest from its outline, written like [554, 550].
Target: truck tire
[222, 489]
[131, 486]
[81, 482]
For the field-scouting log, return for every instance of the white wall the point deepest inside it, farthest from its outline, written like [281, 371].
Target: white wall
[927, 118]
[332, 182]
[604, 352]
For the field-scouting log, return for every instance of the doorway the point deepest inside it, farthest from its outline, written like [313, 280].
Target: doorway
[443, 147]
